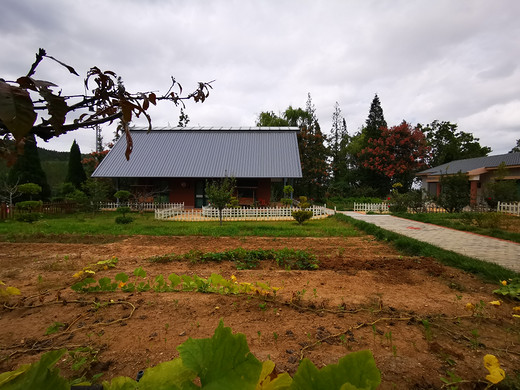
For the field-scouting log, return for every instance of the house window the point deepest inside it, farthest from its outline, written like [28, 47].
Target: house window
[432, 188]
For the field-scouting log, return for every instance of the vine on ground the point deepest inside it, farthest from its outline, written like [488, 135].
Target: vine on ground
[216, 283]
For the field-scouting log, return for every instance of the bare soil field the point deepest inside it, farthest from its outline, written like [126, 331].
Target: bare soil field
[409, 311]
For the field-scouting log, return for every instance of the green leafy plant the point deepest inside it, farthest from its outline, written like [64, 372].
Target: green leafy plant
[222, 361]
[7, 291]
[54, 328]
[509, 288]
[248, 259]
[216, 283]
[427, 330]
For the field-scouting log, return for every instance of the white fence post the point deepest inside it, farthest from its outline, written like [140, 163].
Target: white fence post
[509, 208]
[235, 214]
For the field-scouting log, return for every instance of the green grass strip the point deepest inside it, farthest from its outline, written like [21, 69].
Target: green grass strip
[489, 272]
[459, 221]
[103, 223]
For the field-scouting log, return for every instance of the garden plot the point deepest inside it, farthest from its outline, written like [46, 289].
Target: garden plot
[422, 321]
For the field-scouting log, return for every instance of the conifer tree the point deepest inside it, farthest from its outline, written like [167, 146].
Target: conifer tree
[371, 180]
[28, 168]
[76, 173]
[339, 141]
[375, 121]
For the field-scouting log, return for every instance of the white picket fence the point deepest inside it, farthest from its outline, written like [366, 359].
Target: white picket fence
[509, 208]
[238, 214]
[141, 206]
[371, 207]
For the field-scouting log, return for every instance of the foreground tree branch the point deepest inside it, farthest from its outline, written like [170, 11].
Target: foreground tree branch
[105, 101]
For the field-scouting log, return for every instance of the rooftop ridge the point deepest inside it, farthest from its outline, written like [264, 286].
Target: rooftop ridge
[215, 128]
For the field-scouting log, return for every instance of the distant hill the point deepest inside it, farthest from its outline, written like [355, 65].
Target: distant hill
[52, 155]
[54, 164]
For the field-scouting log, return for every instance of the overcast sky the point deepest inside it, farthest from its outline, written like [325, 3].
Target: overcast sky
[450, 60]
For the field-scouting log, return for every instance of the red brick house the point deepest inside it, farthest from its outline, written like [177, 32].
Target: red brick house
[480, 170]
[177, 162]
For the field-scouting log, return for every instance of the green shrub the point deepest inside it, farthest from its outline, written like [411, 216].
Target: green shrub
[304, 204]
[30, 189]
[455, 194]
[286, 202]
[348, 203]
[122, 194]
[124, 220]
[29, 205]
[233, 203]
[302, 215]
[27, 211]
[401, 202]
[28, 217]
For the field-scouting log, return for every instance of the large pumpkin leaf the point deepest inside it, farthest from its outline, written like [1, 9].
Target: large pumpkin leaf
[172, 375]
[280, 382]
[120, 383]
[41, 375]
[223, 361]
[16, 110]
[357, 370]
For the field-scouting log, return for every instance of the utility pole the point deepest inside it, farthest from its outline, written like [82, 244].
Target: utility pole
[99, 139]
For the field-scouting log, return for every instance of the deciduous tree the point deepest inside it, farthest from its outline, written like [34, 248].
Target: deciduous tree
[311, 144]
[396, 155]
[219, 193]
[516, 148]
[447, 144]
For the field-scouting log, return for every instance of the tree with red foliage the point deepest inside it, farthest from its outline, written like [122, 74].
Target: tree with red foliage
[91, 162]
[397, 155]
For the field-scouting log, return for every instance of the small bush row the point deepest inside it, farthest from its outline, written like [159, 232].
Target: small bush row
[248, 258]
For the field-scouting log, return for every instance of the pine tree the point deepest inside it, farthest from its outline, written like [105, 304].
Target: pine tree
[28, 168]
[375, 121]
[76, 173]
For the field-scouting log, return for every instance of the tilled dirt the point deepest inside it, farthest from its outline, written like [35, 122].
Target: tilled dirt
[409, 311]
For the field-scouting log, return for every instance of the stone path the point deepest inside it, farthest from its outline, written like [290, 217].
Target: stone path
[504, 253]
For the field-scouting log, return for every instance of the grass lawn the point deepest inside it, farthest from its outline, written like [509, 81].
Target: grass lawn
[102, 224]
[506, 227]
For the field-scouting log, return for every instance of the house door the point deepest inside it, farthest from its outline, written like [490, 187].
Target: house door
[200, 194]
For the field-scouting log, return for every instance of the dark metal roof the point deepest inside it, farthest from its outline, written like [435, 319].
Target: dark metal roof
[470, 164]
[206, 152]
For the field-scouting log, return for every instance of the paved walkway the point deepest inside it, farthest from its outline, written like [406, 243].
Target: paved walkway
[504, 253]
